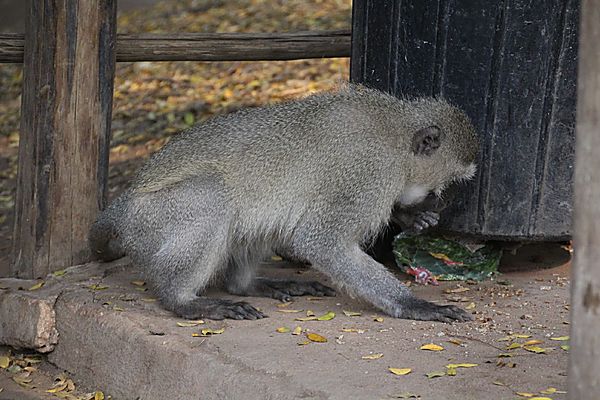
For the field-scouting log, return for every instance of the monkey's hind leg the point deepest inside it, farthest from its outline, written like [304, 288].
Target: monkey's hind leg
[192, 254]
[242, 281]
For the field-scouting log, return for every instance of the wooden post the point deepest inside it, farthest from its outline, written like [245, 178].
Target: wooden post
[584, 363]
[69, 65]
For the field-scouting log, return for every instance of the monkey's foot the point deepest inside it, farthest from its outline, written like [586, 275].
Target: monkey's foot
[203, 307]
[425, 220]
[423, 310]
[284, 289]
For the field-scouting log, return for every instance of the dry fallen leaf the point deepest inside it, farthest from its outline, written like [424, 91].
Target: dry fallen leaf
[313, 318]
[22, 381]
[59, 272]
[456, 342]
[535, 349]
[353, 330]
[565, 347]
[58, 387]
[451, 371]
[560, 338]
[314, 337]
[4, 361]
[326, 317]
[186, 324]
[285, 310]
[372, 356]
[37, 286]
[524, 394]
[138, 283]
[282, 305]
[435, 374]
[462, 365]
[351, 313]
[378, 319]
[148, 299]
[513, 346]
[208, 332]
[97, 286]
[552, 390]
[532, 342]
[304, 342]
[431, 347]
[283, 329]
[310, 313]
[276, 258]
[98, 395]
[33, 359]
[400, 371]
[470, 306]
[297, 330]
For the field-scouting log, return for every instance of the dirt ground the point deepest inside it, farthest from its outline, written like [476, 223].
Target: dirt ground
[518, 339]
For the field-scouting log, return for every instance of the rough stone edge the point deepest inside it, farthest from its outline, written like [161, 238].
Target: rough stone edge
[116, 353]
[28, 320]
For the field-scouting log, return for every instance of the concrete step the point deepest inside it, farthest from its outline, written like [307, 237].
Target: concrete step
[113, 337]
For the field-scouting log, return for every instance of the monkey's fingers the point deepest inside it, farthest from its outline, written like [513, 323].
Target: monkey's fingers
[431, 217]
[425, 220]
[298, 288]
[218, 309]
[426, 311]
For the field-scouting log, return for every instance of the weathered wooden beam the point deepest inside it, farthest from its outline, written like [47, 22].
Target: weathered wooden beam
[211, 46]
[584, 363]
[65, 126]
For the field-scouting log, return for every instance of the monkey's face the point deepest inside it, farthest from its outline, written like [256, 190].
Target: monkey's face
[461, 175]
[444, 152]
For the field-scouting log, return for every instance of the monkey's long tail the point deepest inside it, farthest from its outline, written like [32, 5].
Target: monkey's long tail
[102, 239]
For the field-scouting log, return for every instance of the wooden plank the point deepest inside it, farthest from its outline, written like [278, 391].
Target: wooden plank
[366, 42]
[211, 46]
[584, 357]
[552, 207]
[65, 126]
[511, 65]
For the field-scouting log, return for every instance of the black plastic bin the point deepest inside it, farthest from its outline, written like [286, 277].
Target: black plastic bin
[511, 65]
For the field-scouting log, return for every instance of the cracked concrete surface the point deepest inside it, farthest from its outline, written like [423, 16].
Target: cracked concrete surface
[114, 337]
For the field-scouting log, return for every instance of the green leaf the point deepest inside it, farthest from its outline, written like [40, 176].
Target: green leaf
[457, 262]
[188, 118]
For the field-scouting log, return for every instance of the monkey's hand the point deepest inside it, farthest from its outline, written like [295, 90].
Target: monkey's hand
[419, 309]
[415, 221]
[354, 270]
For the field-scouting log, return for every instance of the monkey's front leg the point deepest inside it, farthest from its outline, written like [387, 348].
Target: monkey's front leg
[354, 270]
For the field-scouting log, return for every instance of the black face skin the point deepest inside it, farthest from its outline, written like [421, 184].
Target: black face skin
[414, 219]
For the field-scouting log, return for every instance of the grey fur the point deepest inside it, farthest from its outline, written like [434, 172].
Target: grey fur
[319, 177]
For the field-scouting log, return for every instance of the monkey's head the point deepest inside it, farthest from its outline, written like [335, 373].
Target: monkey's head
[443, 148]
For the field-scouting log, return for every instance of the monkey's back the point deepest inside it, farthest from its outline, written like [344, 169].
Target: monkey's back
[281, 155]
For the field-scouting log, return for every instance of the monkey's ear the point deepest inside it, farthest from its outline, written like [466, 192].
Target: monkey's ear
[427, 140]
